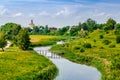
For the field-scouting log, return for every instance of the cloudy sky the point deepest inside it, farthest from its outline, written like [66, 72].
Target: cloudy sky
[58, 13]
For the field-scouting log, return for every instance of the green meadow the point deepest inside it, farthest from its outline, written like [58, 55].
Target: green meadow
[16, 64]
[43, 40]
[98, 49]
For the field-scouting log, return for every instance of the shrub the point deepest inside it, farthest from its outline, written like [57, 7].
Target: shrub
[112, 46]
[118, 38]
[94, 40]
[106, 42]
[82, 50]
[77, 47]
[101, 36]
[101, 47]
[87, 45]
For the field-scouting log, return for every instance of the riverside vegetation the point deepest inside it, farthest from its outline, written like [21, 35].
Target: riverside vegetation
[88, 43]
[98, 49]
[27, 65]
[94, 44]
[19, 63]
[16, 64]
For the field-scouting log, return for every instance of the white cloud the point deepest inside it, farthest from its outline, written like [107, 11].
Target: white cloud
[44, 13]
[31, 15]
[64, 12]
[17, 14]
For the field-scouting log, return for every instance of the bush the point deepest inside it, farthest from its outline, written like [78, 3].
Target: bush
[112, 46]
[101, 47]
[87, 45]
[94, 40]
[76, 47]
[106, 42]
[118, 38]
[82, 50]
[101, 36]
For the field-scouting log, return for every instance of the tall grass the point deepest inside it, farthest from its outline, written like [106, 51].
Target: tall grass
[16, 64]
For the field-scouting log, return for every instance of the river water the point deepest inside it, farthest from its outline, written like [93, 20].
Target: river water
[69, 70]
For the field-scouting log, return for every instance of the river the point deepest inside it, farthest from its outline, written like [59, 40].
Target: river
[69, 70]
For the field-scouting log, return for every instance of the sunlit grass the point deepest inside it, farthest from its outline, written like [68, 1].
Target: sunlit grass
[105, 58]
[43, 40]
[16, 64]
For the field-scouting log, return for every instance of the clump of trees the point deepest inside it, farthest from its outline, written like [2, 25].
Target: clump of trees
[14, 33]
[11, 30]
[43, 30]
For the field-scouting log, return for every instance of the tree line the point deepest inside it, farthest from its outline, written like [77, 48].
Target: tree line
[20, 36]
[89, 25]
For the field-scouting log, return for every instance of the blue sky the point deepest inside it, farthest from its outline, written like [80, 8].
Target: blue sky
[58, 13]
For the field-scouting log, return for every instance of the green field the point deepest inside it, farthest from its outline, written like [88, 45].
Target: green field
[104, 53]
[16, 64]
[43, 40]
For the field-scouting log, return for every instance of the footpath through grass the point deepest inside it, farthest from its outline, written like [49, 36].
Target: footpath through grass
[103, 53]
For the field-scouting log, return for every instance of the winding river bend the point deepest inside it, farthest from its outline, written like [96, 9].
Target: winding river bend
[69, 70]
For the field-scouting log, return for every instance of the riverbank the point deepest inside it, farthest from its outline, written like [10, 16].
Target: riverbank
[27, 65]
[92, 50]
[16, 64]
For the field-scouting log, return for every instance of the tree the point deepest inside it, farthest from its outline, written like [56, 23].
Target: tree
[23, 40]
[35, 30]
[84, 26]
[110, 24]
[91, 24]
[74, 31]
[11, 30]
[63, 30]
[3, 41]
[117, 29]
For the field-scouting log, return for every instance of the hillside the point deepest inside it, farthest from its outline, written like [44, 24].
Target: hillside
[98, 49]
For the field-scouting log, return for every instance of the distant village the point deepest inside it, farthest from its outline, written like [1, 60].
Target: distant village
[31, 25]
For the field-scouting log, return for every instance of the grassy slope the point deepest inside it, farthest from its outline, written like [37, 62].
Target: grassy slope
[106, 59]
[16, 64]
[24, 65]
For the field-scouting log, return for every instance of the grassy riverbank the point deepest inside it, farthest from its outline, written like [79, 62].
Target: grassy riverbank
[94, 50]
[43, 40]
[16, 64]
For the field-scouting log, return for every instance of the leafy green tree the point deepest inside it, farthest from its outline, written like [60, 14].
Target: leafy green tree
[84, 26]
[110, 24]
[117, 29]
[11, 30]
[91, 24]
[63, 30]
[3, 41]
[36, 30]
[23, 40]
[74, 31]
[46, 30]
